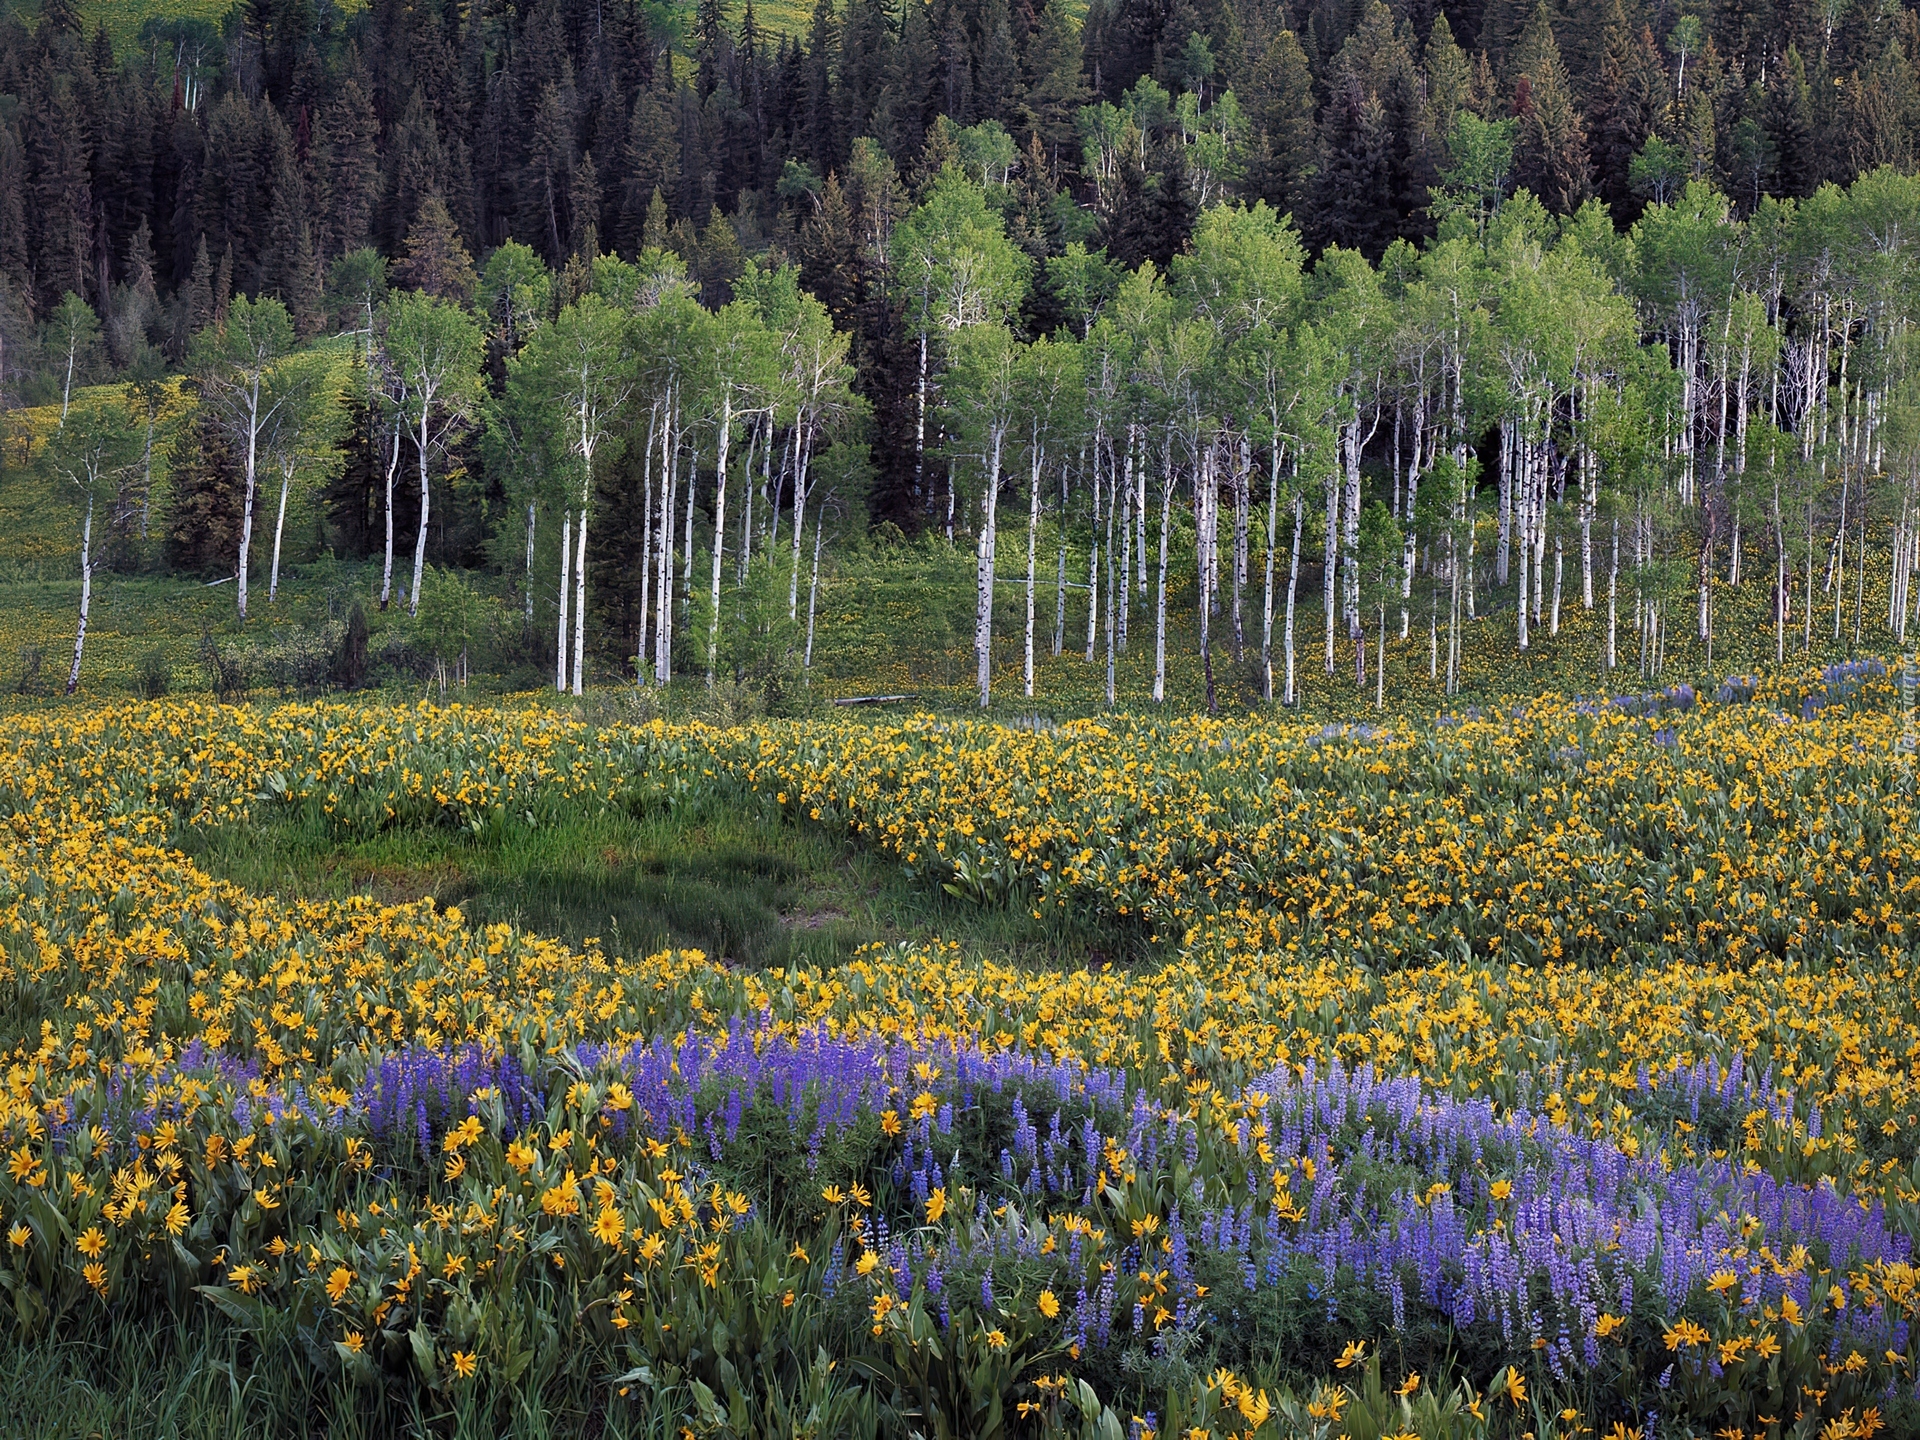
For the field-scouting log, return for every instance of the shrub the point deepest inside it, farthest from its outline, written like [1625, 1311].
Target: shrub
[153, 677]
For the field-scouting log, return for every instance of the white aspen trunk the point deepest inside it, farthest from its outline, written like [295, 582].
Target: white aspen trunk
[1613, 601]
[1242, 499]
[146, 474]
[66, 385]
[1453, 616]
[1137, 500]
[566, 596]
[1266, 583]
[802, 455]
[663, 596]
[1354, 443]
[779, 487]
[719, 533]
[252, 478]
[641, 660]
[386, 567]
[1589, 497]
[1330, 575]
[420, 541]
[1293, 587]
[1060, 569]
[1130, 511]
[1380, 666]
[1160, 604]
[1205, 496]
[1559, 564]
[746, 512]
[1126, 549]
[772, 484]
[983, 574]
[86, 594]
[531, 512]
[279, 528]
[920, 495]
[1033, 544]
[813, 585]
[580, 604]
[1093, 554]
[686, 546]
[1524, 552]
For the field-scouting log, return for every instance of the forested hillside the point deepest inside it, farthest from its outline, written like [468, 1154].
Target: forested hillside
[1427, 312]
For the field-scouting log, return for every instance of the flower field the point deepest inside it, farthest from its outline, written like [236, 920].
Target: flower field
[1551, 1070]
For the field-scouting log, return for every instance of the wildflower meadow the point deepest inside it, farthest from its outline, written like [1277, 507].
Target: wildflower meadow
[1546, 1068]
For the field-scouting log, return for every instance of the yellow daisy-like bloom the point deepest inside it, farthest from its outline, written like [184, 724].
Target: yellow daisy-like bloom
[609, 1226]
[18, 1236]
[1049, 1304]
[338, 1282]
[92, 1243]
[95, 1274]
[465, 1363]
[1355, 1352]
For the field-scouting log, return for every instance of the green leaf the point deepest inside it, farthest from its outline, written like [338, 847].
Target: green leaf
[249, 1312]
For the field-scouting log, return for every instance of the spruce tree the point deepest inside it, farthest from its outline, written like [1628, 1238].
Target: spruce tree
[437, 263]
[1278, 96]
[1550, 150]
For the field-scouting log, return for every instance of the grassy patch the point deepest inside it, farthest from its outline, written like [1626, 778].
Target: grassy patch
[730, 878]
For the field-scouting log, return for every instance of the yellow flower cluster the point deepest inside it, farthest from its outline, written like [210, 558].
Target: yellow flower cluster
[1593, 900]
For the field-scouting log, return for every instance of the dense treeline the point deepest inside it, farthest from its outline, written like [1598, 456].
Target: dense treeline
[1580, 282]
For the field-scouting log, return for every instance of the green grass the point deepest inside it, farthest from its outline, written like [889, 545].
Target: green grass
[198, 1382]
[731, 878]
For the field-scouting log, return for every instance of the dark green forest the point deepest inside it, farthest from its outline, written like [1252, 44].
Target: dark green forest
[261, 158]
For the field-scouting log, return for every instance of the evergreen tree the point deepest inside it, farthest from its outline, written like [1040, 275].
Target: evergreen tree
[205, 497]
[997, 86]
[1793, 129]
[1278, 96]
[653, 162]
[437, 262]
[1550, 150]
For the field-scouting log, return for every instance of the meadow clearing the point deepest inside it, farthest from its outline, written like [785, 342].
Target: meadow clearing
[1545, 1067]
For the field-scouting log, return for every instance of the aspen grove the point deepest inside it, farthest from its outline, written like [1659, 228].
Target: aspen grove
[1525, 416]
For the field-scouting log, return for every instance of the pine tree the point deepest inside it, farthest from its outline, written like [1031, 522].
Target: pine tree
[353, 181]
[997, 87]
[1550, 151]
[60, 189]
[16, 266]
[909, 89]
[1629, 103]
[653, 163]
[1792, 129]
[712, 45]
[437, 262]
[829, 256]
[1055, 88]
[583, 205]
[352, 498]
[1278, 96]
[205, 495]
[820, 124]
